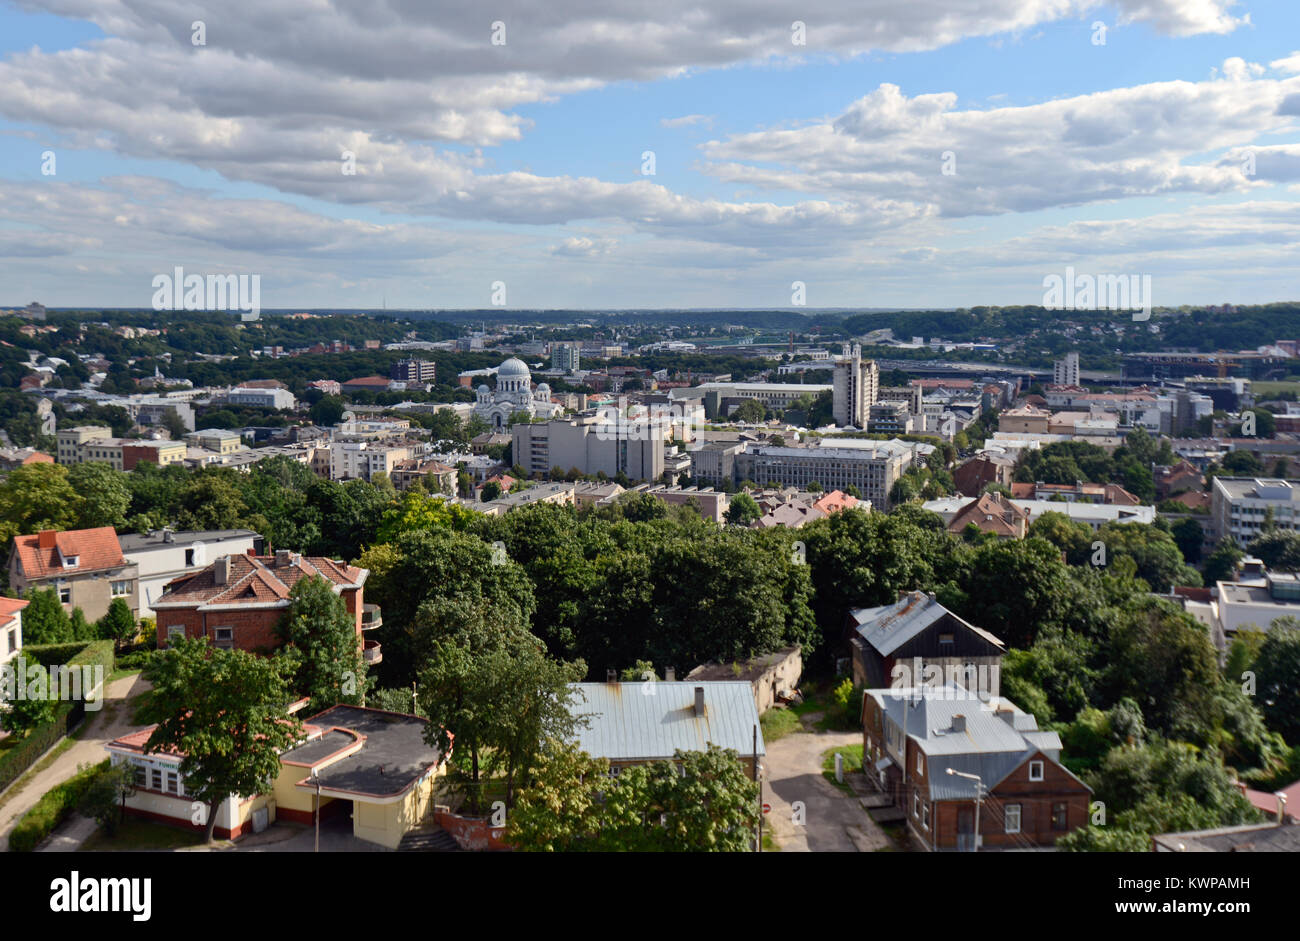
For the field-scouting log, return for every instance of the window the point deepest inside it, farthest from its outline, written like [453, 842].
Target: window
[121, 589]
[189, 557]
[175, 633]
[1035, 771]
[225, 637]
[945, 639]
[13, 639]
[920, 763]
[70, 561]
[1059, 815]
[141, 774]
[925, 816]
[65, 594]
[173, 781]
[916, 803]
[1013, 818]
[156, 778]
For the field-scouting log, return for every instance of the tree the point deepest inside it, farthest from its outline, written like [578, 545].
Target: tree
[225, 712]
[1189, 536]
[104, 494]
[105, 797]
[1277, 548]
[1277, 672]
[83, 629]
[328, 411]
[487, 682]
[701, 801]
[319, 628]
[749, 412]
[743, 510]
[35, 707]
[490, 491]
[44, 620]
[35, 497]
[118, 625]
[1222, 562]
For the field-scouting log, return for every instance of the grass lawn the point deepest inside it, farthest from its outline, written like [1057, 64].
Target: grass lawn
[778, 723]
[852, 764]
[140, 835]
[1266, 389]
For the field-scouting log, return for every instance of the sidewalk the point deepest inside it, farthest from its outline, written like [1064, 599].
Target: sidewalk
[99, 728]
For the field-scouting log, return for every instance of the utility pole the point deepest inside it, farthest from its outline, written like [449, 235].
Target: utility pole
[316, 778]
[979, 794]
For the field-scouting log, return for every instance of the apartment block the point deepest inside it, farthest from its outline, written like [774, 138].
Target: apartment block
[362, 460]
[1239, 506]
[592, 444]
[856, 388]
[873, 471]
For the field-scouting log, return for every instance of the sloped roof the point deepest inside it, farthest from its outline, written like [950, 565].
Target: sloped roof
[888, 627]
[643, 721]
[10, 607]
[257, 580]
[95, 549]
[992, 513]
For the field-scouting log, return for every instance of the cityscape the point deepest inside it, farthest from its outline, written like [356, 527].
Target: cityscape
[738, 431]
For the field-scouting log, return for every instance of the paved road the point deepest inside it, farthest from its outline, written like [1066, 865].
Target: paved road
[834, 822]
[110, 722]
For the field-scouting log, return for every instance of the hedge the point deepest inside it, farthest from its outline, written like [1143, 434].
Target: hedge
[52, 809]
[67, 715]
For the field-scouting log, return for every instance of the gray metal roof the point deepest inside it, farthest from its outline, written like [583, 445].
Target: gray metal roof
[888, 627]
[640, 721]
[998, 737]
[133, 542]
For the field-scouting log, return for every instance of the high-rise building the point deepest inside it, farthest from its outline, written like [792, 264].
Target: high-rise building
[564, 356]
[1065, 372]
[856, 388]
[414, 370]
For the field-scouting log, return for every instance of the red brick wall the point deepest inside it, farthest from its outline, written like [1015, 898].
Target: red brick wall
[255, 628]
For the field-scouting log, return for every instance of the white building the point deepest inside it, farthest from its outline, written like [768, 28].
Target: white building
[11, 628]
[1239, 506]
[1095, 515]
[362, 460]
[261, 398]
[592, 444]
[1065, 372]
[164, 555]
[514, 393]
[873, 471]
[856, 387]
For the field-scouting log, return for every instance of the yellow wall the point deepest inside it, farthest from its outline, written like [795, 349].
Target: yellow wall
[386, 824]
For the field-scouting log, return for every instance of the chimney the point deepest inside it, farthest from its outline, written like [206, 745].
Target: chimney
[699, 701]
[1281, 807]
[167, 534]
[959, 723]
[669, 674]
[46, 539]
[221, 570]
[611, 676]
[283, 557]
[1008, 716]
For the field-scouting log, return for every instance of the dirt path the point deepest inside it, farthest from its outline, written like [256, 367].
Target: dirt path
[110, 722]
[833, 820]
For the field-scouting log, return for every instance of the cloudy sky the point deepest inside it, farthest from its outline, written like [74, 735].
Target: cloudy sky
[927, 153]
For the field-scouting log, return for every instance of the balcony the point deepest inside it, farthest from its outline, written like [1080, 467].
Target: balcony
[371, 617]
[372, 652]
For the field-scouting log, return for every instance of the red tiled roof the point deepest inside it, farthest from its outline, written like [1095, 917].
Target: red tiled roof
[95, 548]
[367, 381]
[257, 580]
[10, 607]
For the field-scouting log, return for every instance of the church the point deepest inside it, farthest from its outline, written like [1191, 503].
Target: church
[514, 393]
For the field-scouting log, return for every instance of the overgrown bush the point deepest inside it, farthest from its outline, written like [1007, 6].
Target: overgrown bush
[52, 809]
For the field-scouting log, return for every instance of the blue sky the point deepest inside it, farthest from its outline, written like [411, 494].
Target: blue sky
[521, 164]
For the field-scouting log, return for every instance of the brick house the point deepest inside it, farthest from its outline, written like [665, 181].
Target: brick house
[918, 635]
[930, 749]
[992, 513]
[85, 566]
[237, 600]
[973, 476]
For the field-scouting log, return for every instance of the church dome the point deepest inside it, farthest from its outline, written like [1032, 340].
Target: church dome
[513, 368]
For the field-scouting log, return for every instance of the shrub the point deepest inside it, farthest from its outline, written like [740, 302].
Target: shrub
[52, 809]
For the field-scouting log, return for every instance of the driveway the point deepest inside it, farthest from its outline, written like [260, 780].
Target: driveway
[834, 822]
[99, 728]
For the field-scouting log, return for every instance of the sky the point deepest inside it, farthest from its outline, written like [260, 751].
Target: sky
[847, 153]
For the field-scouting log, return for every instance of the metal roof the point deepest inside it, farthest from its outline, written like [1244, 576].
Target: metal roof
[998, 736]
[888, 627]
[651, 720]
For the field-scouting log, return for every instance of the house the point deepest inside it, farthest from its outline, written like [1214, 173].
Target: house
[436, 476]
[164, 555]
[85, 566]
[11, 458]
[1284, 805]
[11, 628]
[643, 721]
[1177, 478]
[992, 513]
[935, 749]
[974, 475]
[370, 764]
[770, 675]
[1250, 838]
[916, 636]
[236, 601]
[1078, 492]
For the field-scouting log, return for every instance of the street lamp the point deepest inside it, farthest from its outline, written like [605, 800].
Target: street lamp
[979, 793]
[316, 777]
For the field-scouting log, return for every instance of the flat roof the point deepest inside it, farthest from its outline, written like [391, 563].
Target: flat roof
[393, 756]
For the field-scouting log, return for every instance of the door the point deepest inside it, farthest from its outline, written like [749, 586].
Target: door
[965, 829]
